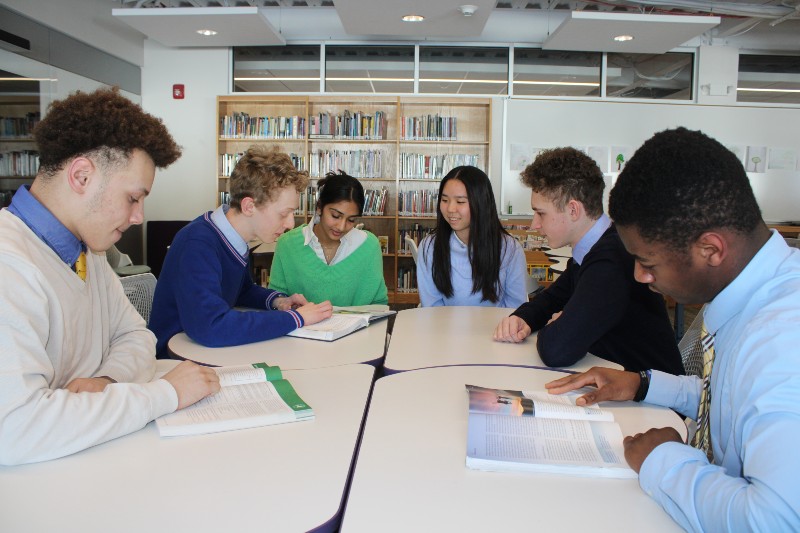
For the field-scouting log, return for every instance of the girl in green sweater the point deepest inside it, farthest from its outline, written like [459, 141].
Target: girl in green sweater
[330, 259]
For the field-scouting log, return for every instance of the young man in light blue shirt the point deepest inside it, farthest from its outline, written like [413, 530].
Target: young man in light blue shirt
[686, 212]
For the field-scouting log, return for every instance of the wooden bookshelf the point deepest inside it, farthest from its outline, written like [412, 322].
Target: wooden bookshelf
[406, 146]
[18, 156]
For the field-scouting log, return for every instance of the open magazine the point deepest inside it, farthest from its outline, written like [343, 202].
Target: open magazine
[345, 320]
[516, 431]
[250, 396]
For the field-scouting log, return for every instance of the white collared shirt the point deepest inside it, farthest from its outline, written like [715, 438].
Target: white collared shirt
[348, 244]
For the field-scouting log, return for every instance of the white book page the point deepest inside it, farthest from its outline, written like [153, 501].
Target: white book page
[548, 405]
[528, 443]
[337, 323]
[239, 375]
[244, 401]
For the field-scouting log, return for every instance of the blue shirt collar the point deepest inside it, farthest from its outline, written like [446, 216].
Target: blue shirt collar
[223, 224]
[590, 238]
[758, 272]
[45, 225]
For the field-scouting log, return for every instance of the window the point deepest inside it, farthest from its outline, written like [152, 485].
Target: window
[657, 76]
[463, 70]
[555, 73]
[369, 69]
[276, 69]
[769, 79]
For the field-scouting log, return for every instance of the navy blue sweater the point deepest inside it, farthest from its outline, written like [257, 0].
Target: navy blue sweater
[202, 280]
[605, 312]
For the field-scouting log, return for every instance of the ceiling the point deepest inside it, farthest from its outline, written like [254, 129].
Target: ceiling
[657, 25]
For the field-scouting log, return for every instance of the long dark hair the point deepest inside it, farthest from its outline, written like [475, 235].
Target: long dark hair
[485, 245]
[337, 187]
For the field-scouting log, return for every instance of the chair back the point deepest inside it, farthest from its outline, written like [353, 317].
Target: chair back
[791, 241]
[411, 244]
[690, 348]
[139, 289]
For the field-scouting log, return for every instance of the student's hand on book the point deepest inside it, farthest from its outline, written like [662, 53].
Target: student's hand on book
[313, 313]
[611, 385]
[89, 384]
[638, 447]
[192, 382]
[553, 318]
[290, 302]
[511, 329]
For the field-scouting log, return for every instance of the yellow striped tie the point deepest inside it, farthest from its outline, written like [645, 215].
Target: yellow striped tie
[80, 266]
[702, 438]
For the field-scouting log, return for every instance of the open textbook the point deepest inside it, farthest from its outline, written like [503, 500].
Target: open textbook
[250, 396]
[345, 320]
[516, 431]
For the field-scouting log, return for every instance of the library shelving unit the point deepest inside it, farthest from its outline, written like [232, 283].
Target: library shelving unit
[398, 147]
[19, 159]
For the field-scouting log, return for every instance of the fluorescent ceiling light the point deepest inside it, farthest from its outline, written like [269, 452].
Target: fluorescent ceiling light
[745, 89]
[206, 33]
[413, 18]
[623, 38]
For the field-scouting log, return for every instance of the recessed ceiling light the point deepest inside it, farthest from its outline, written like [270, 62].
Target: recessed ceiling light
[207, 33]
[623, 38]
[413, 18]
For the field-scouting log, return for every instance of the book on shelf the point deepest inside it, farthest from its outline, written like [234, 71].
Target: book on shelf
[534, 431]
[249, 396]
[344, 321]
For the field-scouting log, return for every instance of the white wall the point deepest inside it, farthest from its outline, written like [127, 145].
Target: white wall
[189, 186]
[553, 123]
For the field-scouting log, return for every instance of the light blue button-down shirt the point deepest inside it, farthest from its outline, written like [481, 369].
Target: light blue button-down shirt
[590, 238]
[755, 408]
[45, 225]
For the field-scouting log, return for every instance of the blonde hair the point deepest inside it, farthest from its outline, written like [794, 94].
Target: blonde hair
[261, 173]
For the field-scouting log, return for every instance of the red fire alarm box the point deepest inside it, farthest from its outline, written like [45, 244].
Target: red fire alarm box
[177, 91]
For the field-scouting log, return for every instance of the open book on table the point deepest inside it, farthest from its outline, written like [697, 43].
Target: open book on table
[345, 320]
[250, 396]
[516, 431]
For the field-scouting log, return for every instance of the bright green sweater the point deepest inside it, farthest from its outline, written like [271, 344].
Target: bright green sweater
[357, 280]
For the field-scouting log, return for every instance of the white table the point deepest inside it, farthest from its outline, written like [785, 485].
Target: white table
[289, 477]
[366, 345]
[411, 475]
[427, 337]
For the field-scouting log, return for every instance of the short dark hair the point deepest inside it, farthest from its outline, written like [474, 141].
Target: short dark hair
[337, 187]
[104, 124]
[681, 183]
[261, 173]
[564, 174]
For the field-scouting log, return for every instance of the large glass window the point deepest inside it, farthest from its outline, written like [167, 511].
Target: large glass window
[276, 69]
[369, 69]
[463, 70]
[770, 79]
[554, 73]
[659, 76]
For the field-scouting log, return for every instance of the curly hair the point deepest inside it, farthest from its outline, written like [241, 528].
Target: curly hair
[564, 174]
[261, 173]
[681, 183]
[103, 124]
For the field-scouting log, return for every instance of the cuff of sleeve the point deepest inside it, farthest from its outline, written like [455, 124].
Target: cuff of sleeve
[164, 397]
[662, 389]
[297, 318]
[274, 296]
[661, 460]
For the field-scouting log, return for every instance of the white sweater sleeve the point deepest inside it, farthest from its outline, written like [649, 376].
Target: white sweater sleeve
[43, 348]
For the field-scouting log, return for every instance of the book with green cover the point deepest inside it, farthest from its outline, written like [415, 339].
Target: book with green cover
[249, 396]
